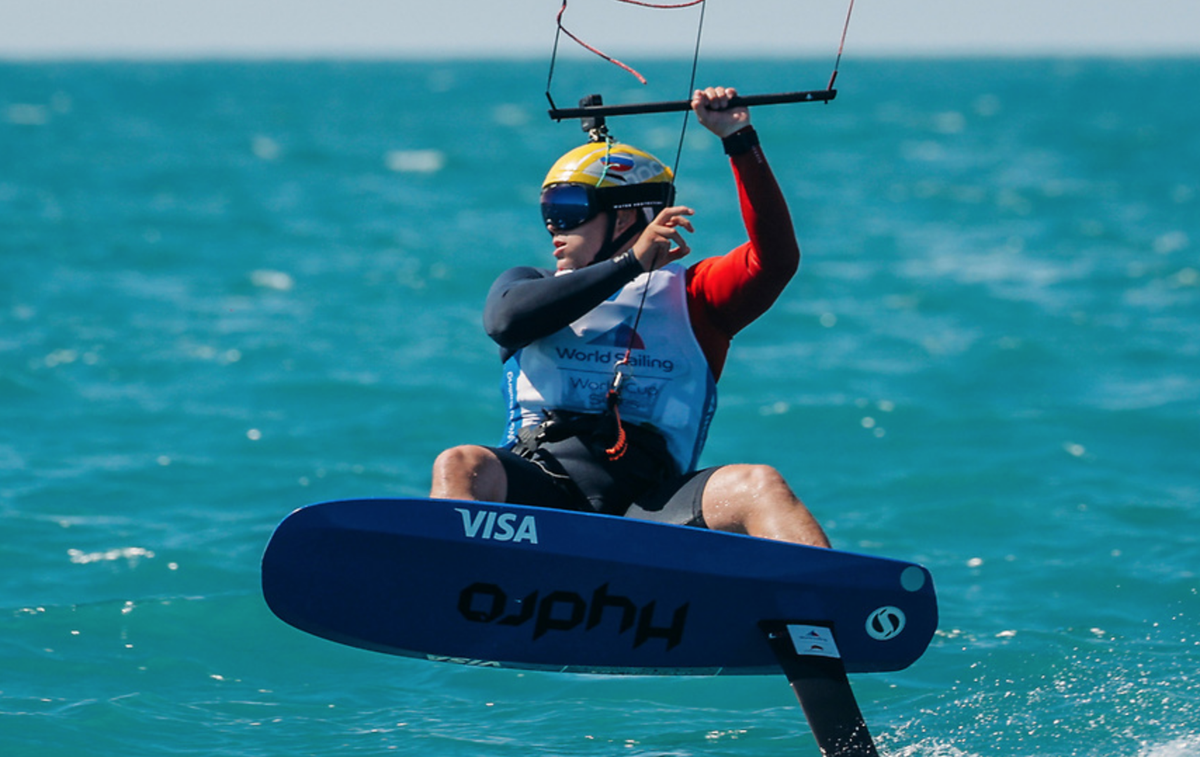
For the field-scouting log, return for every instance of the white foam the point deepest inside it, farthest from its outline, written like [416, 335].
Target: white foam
[415, 161]
[277, 280]
[1188, 746]
[79, 557]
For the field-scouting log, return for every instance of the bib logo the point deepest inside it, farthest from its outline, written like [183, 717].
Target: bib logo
[621, 336]
[489, 524]
[566, 610]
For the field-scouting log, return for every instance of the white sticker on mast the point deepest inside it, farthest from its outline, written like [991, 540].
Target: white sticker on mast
[813, 641]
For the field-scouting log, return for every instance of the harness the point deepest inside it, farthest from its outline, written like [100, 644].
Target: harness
[574, 450]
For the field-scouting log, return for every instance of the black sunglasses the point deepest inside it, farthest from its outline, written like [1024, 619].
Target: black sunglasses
[568, 206]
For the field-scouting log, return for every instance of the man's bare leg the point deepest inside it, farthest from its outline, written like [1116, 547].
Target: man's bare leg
[469, 472]
[756, 500]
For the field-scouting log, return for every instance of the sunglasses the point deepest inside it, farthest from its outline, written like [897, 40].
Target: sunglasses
[568, 206]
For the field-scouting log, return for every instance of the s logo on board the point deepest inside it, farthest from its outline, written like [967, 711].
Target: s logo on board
[885, 623]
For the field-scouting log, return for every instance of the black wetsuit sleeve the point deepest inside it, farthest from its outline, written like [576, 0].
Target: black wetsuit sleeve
[525, 303]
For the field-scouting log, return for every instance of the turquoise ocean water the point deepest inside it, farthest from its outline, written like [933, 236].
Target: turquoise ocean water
[231, 289]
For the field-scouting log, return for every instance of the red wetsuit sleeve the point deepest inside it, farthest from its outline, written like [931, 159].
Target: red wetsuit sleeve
[727, 293]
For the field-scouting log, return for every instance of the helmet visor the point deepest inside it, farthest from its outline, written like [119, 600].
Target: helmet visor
[566, 206]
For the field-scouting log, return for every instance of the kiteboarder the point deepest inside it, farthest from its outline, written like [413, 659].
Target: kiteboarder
[611, 359]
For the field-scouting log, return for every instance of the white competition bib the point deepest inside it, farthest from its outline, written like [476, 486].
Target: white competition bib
[668, 384]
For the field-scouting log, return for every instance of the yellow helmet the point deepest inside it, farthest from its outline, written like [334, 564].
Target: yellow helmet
[602, 176]
[608, 164]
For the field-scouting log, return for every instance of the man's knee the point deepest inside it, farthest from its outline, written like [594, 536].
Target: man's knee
[468, 472]
[755, 482]
[464, 459]
[734, 492]
[756, 500]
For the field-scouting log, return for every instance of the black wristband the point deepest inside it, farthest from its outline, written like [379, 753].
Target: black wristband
[630, 261]
[742, 140]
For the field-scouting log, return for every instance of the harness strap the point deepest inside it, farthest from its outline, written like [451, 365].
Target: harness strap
[594, 427]
[621, 446]
[613, 401]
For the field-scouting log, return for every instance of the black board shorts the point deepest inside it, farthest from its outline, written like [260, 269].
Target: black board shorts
[677, 500]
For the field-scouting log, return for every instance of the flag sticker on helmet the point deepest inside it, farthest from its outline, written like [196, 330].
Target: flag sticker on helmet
[618, 162]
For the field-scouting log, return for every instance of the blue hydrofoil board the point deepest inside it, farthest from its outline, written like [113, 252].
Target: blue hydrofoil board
[501, 585]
